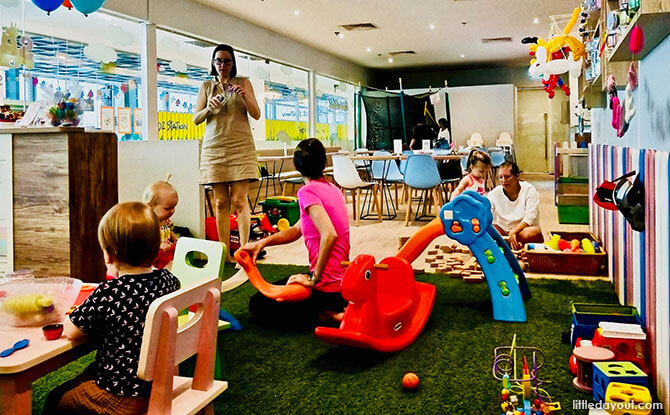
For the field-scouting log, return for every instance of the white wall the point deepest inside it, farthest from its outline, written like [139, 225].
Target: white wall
[650, 127]
[193, 18]
[144, 162]
[486, 109]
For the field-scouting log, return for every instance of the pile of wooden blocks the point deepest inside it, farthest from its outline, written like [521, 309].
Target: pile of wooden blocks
[458, 261]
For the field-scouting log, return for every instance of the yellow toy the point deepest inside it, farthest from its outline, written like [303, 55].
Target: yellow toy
[553, 243]
[621, 395]
[27, 303]
[587, 247]
[14, 55]
[557, 43]
[283, 224]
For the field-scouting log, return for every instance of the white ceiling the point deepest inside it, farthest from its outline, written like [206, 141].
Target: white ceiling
[405, 25]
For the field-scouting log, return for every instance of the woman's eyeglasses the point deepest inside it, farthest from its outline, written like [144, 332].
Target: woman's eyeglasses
[220, 61]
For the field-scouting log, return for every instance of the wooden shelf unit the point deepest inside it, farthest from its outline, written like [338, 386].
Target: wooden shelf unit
[653, 17]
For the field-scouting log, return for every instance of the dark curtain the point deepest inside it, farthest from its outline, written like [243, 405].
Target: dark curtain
[384, 117]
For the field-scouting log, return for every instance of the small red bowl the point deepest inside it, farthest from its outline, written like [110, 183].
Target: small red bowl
[53, 331]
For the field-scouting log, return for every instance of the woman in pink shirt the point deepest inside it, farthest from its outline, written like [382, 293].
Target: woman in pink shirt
[324, 225]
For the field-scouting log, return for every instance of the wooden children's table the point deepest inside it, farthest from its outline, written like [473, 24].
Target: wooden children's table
[19, 370]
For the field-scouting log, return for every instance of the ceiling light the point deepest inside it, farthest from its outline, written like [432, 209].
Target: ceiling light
[339, 35]
[431, 26]
[462, 55]
[390, 60]
[536, 20]
[296, 12]
[368, 50]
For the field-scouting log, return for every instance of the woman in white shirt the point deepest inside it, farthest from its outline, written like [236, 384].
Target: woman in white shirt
[444, 133]
[516, 207]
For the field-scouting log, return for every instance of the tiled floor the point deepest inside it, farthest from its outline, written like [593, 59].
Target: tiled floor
[381, 239]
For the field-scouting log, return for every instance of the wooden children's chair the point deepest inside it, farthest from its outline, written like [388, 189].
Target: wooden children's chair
[185, 268]
[165, 345]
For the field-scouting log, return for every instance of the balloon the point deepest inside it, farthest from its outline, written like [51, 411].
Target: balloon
[67, 4]
[87, 6]
[48, 5]
[636, 42]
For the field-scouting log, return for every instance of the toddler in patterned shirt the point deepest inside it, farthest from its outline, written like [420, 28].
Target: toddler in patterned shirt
[163, 199]
[113, 317]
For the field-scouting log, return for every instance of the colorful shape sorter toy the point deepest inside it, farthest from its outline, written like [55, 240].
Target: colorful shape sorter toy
[605, 373]
[625, 399]
[627, 341]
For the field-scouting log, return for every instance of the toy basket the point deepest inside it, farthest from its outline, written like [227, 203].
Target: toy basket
[586, 317]
[27, 302]
[567, 262]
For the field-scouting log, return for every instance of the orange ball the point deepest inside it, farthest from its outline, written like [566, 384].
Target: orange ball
[410, 381]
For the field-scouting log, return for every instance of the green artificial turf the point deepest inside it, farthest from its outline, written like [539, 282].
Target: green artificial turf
[279, 371]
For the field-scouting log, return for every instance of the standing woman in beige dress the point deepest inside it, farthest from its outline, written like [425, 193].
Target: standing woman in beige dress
[228, 160]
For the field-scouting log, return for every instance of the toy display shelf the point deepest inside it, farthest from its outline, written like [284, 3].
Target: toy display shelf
[654, 19]
[569, 189]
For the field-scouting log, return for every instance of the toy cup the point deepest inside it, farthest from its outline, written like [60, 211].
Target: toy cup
[53, 331]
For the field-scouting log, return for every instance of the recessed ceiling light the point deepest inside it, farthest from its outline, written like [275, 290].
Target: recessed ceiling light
[296, 12]
[339, 35]
[462, 55]
[390, 60]
[431, 26]
[368, 50]
[536, 20]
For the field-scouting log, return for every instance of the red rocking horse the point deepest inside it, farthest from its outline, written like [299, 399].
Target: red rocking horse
[387, 308]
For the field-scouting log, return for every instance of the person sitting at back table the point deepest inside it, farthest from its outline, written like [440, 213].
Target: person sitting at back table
[443, 137]
[516, 207]
[421, 132]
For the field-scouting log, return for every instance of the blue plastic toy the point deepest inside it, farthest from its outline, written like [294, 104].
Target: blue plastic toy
[468, 220]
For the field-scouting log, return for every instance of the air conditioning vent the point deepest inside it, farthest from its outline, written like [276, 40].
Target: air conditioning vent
[506, 39]
[402, 52]
[359, 26]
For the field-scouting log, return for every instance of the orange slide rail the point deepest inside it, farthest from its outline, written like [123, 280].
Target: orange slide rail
[420, 240]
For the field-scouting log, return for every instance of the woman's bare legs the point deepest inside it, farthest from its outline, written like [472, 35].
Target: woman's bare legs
[222, 204]
[240, 205]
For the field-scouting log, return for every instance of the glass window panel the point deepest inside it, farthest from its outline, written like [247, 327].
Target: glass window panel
[179, 82]
[335, 121]
[286, 104]
[68, 50]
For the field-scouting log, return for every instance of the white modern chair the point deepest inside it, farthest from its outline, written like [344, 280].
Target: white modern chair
[346, 176]
[475, 140]
[504, 139]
